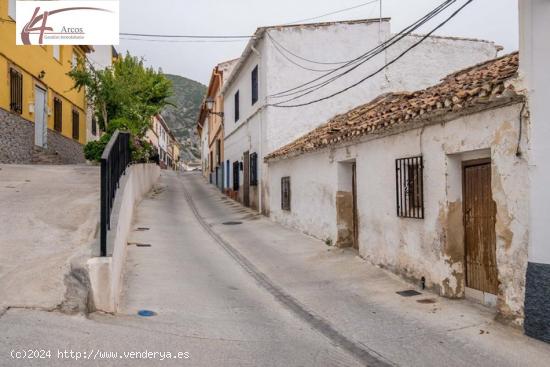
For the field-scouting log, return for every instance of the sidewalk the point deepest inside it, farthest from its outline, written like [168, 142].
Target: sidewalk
[360, 300]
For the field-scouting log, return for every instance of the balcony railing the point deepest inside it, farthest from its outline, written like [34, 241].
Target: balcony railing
[114, 161]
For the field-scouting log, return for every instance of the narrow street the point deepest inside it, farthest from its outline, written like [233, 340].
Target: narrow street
[257, 294]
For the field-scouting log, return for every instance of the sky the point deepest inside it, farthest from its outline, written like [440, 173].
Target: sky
[495, 20]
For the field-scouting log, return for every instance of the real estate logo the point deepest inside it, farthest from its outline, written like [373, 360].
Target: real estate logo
[67, 22]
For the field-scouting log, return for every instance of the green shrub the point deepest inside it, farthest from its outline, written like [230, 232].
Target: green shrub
[94, 149]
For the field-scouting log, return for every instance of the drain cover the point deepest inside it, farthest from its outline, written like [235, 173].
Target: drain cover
[232, 223]
[409, 293]
[146, 313]
[139, 244]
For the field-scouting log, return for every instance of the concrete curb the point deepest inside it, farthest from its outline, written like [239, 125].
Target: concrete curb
[105, 274]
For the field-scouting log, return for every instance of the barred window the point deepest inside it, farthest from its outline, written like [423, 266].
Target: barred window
[57, 114]
[16, 91]
[236, 173]
[254, 169]
[76, 125]
[285, 193]
[409, 187]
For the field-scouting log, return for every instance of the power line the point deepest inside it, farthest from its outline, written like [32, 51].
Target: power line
[184, 41]
[182, 36]
[364, 57]
[382, 68]
[332, 13]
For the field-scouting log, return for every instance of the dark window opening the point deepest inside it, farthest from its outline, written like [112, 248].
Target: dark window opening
[57, 114]
[255, 85]
[236, 176]
[237, 111]
[409, 174]
[285, 193]
[254, 169]
[16, 91]
[76, 125]
[94, 126]
[219, 152]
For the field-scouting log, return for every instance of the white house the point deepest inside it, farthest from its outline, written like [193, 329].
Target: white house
[534, 61]
[101, 58]
[428, 184]
[281, 57]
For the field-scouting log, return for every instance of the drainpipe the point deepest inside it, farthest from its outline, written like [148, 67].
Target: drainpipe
[260, 147]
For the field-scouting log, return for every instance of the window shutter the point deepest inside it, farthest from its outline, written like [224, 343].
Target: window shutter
[57, 115]
[255, 85]
[237, 111]
[76, 125]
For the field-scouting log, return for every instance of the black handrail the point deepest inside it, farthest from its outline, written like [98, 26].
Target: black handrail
[116, 157]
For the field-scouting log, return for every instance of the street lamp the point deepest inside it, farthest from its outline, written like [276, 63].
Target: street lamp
[210, 107]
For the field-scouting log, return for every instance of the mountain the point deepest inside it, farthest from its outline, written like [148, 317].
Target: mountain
[182, 118]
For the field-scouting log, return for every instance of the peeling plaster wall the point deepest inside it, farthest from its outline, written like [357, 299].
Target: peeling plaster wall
[432, 248]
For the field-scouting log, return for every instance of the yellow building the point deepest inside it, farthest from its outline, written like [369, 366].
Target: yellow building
[38, 106]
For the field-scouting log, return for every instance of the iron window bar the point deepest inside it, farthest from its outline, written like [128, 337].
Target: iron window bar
[285, 193]
[57, 114]
[254, 169]
[16, 91]
[409, 181]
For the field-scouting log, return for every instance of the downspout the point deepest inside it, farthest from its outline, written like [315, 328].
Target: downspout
[260, 147]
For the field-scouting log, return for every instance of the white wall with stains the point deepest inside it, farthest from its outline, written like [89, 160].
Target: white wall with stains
[433, 247]
[337, 42]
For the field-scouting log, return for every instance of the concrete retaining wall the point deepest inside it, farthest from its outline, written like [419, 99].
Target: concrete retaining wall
[106, 273]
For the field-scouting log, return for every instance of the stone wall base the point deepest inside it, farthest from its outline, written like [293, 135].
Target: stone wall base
[537, 302]
[17, 142]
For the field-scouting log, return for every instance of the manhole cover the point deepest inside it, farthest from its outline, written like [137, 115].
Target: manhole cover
[232, 223]
[146, 313]
[426, 301]
[142, 229]
[409, 293]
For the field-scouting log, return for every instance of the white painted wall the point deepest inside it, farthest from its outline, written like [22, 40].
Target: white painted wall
[534, 61]
[338, 42]
[101, 58]
[411, 247]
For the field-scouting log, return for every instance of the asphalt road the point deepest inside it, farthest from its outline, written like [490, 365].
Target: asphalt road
[257, 294]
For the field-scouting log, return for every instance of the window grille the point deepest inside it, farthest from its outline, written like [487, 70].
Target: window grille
[255, 85]
[76, 125]
[285, 193]
[236, 176]
[16, 91]
[57, 114]
[254, 169]
[410, 187]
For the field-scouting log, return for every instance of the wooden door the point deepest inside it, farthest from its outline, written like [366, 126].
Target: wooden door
[246, 178]
[479, 227]
[355, 216]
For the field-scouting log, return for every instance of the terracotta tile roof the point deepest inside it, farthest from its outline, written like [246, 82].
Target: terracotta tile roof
[463, 91]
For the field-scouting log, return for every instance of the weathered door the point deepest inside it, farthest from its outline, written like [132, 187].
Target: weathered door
[355, 216]
[40, 124]
[246, 178]
[479, 227]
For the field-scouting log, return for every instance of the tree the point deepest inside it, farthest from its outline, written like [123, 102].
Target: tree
[124, 96]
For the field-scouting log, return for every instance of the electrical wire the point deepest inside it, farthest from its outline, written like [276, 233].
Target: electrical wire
[184, 41]
[182, 36]
[300, 57]
[366, 56]
[455, 13]
[294, 62]
[332, 13]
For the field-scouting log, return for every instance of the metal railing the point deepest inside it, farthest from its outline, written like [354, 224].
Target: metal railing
[116, 157]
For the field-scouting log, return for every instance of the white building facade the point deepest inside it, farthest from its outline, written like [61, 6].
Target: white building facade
[534, 61]
[430, 185]
[254, 126]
